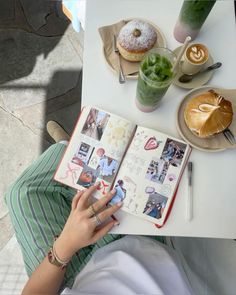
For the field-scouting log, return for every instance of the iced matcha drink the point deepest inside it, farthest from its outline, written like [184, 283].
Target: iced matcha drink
[155, 76]
[191, 18]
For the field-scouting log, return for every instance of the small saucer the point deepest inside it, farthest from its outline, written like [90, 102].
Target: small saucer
[197, 81]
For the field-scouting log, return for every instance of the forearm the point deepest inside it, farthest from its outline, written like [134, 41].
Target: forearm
[45, 280]
[79, 231]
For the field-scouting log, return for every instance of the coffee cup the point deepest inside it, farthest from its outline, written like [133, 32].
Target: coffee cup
[195, 57]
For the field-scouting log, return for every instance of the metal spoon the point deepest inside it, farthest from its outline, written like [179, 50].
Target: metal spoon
[187, 78]
[121, 74]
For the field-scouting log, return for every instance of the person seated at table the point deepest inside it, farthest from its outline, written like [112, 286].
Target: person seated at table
[84, 256]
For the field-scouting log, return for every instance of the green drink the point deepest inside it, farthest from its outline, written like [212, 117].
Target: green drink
[191, 18]
[155, 76]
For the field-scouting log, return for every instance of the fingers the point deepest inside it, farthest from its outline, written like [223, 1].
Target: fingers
[97, 206]
[108, 212]
[87, 194]
[104, 230]
[76, 200]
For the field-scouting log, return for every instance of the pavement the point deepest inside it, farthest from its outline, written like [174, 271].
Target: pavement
[40, 80]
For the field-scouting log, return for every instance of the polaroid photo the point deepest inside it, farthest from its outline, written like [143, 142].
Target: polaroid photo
[83, 154]
[87, 177]
[173, 152]
[157, 170]
[95, 124]
[155, 205]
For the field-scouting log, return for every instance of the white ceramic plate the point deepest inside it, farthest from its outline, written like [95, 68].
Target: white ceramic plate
[185, 133]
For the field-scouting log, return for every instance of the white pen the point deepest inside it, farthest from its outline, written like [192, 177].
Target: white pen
[189, 208]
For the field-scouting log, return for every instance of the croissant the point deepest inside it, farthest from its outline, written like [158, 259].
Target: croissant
[208, 113]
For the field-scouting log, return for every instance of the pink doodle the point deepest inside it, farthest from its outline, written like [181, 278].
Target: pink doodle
[102, 187]
[152, 144]
[71, 173]
[171, 177]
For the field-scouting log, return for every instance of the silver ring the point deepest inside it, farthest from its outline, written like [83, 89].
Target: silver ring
[97, 220]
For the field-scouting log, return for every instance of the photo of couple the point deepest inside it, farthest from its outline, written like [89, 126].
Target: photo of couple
[155, 205]
[173, 152]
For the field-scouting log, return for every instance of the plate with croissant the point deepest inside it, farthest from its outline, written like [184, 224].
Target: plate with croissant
[203, 114]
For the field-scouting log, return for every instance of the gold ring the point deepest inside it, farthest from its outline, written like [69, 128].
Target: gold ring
[92, 210]
[97, 219]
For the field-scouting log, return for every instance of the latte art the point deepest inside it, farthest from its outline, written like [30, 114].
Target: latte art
[197, 53]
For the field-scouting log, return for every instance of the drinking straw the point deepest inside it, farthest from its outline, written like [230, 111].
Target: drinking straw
[183, 48]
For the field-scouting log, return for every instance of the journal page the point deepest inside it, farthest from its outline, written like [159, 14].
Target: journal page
[149, 174]
[95, 150]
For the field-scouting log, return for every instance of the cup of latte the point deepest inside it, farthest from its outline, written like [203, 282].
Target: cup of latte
[195, 58]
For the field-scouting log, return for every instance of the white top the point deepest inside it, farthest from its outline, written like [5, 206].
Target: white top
[214, 199]
[132, 265]
[107, 169]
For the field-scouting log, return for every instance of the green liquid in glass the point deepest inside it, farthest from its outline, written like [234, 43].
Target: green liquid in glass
[195, 12]
[155, 76]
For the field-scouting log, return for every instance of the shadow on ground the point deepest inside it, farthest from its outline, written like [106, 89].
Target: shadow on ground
[37, 65]
[40, 80]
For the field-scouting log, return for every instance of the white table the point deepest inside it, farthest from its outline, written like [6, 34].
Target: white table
[214, 173]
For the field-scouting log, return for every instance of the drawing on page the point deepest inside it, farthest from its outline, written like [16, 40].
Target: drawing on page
[103, 187]
[165, 190]
[171, 177]
[133, 163]
[72, 173]
[152, 143]
[117, 134]
[131, 183]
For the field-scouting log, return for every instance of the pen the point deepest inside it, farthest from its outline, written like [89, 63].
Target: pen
[189, 208]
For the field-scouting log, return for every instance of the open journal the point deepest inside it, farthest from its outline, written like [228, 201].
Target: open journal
[144, 165]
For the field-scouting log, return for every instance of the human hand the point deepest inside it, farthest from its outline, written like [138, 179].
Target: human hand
[81, 228]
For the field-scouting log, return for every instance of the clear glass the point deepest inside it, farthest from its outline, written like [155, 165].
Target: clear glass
[191, 18]
[155, 76]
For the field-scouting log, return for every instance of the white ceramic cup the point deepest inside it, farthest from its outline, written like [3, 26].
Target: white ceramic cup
[195, 57]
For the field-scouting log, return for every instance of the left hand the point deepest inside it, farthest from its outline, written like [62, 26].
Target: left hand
[81, 229]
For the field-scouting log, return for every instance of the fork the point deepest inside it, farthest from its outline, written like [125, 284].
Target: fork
[229, 136]
[116, 50]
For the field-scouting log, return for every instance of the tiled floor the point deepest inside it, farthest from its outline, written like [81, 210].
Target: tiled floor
[12, 273]
[12, 279]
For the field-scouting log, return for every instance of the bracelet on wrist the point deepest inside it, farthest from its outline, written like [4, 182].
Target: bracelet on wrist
[54, 259]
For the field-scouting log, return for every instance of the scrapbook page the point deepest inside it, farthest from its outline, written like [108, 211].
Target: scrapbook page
[150, 173]
[95, 150]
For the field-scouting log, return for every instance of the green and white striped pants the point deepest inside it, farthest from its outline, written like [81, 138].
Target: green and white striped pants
[39, 207]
